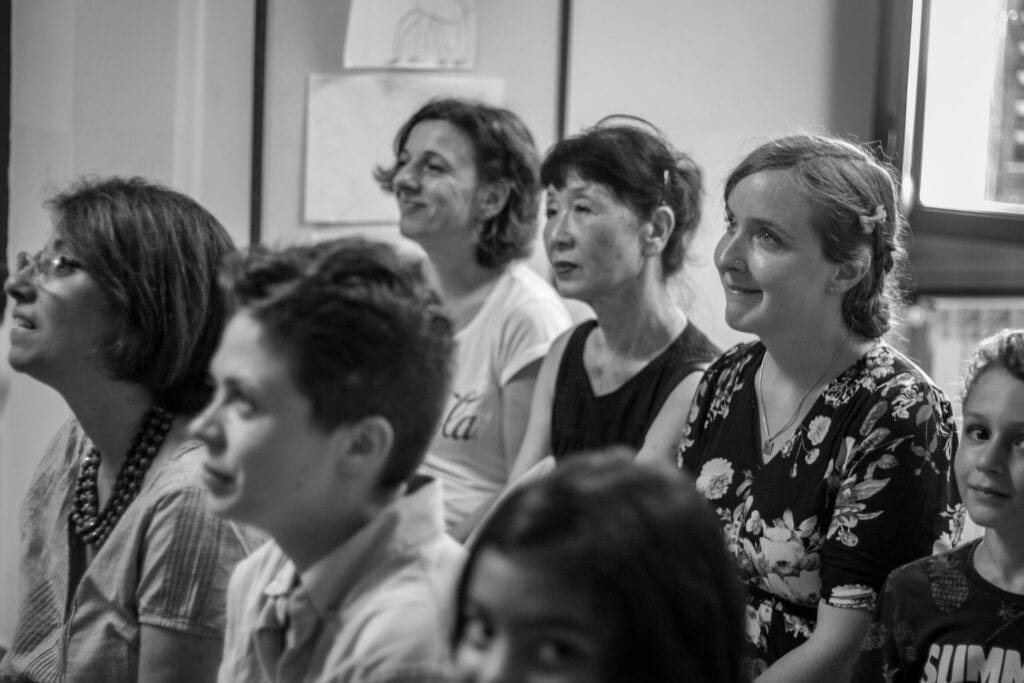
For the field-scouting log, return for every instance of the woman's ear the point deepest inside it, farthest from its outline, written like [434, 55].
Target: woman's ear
[657, 230]
[492, 197]
[849, 273]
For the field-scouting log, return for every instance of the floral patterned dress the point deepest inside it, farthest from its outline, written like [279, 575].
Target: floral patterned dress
[863, 486]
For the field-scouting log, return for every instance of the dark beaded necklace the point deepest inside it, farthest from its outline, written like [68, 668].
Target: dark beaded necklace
[92, 525]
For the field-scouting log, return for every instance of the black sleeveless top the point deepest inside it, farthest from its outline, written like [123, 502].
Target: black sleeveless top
[582, 421]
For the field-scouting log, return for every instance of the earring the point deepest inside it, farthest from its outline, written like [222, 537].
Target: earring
[832, 289]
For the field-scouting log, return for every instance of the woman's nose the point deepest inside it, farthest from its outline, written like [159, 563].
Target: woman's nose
[204, 427]
[556, 232]
[19, 285]
[729, 253]
[990, 457]
[496, 666]
[406, 178]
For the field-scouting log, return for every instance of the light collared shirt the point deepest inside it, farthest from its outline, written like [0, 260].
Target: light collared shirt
[165, 564]
[377, 608]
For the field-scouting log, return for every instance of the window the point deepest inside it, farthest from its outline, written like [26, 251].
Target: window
[951, 115]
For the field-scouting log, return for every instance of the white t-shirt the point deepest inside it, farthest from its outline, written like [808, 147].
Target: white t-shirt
[515, 326]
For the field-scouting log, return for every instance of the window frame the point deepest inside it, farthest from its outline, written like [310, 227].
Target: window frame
[897, 123]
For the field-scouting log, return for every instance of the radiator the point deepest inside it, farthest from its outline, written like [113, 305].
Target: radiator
[943, 332]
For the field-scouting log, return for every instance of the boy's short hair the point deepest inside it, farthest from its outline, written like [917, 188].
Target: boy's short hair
[362, 333]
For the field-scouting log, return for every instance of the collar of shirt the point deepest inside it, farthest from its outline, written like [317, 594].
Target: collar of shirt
[403, 526]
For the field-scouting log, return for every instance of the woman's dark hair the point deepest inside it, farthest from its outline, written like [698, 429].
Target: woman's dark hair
[504, 152]
[641, 169]
[857, 209]
[1004, 350]
[155, 253]
[648, 550]
[362, 332]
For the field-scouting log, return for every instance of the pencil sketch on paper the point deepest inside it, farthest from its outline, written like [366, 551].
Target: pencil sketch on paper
[434, 30]
[411, 34]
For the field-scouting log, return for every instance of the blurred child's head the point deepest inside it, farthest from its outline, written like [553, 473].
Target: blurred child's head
[604, 570]
[333, 369]
[990, 459]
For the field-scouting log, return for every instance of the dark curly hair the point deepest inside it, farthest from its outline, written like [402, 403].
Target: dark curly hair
[504, 151]
[1004, 350]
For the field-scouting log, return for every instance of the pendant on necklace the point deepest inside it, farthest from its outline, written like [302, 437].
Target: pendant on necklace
[766, 448]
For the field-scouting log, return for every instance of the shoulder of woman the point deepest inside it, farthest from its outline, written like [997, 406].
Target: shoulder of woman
[735, 355]
[888, 370]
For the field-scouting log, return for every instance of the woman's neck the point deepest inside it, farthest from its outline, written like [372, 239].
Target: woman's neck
[462, 282]
[999, 559]
[638, 322]
[802, 359]
[110, 413]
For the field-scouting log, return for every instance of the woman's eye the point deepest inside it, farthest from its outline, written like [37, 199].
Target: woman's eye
[64, 265]
[730, 224]
[975, 433]
[767, 236]
[243, 405]
[581, 209]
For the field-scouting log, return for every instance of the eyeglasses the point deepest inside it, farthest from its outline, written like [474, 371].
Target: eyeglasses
[44, 264]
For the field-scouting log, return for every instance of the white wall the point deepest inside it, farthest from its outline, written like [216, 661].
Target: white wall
[517, 42]
[718, 77]
[159, 88]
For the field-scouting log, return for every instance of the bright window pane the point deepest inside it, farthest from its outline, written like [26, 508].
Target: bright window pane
[973, 120]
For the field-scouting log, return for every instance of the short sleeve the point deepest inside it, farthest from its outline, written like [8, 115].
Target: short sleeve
[893, 490]
[186, 563]
[527, 333]
[712, 400]
[878, 661]
[694, 424]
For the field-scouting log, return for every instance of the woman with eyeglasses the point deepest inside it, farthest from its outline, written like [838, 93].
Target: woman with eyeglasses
[622, 207]
[123, 572]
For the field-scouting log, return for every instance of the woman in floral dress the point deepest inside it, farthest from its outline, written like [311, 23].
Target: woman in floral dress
[825, 452]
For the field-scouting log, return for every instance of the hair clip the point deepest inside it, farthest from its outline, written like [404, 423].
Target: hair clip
[868, 223]
[666, 179]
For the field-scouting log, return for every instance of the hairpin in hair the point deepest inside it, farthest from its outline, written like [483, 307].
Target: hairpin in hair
[868, 223]
[666, 178]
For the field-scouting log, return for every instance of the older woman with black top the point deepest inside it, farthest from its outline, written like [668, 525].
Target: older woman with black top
[622, 206]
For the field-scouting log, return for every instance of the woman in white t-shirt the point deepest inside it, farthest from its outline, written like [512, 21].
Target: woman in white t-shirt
[466, 177]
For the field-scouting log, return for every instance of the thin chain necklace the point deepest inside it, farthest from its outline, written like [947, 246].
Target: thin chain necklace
[93, 525]
[768, 446]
